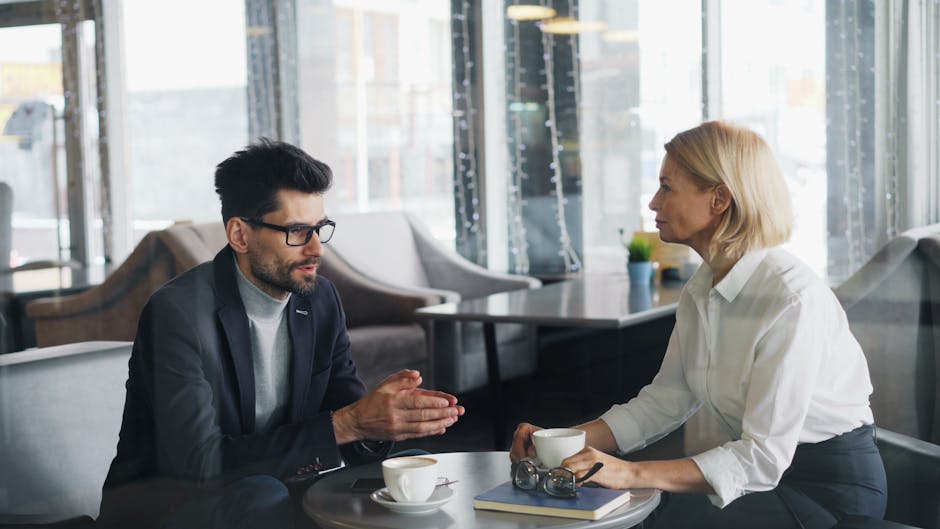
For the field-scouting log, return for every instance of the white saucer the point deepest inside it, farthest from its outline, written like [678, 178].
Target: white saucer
[440, 496]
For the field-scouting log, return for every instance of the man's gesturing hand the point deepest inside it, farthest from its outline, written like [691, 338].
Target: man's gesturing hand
[397, 409]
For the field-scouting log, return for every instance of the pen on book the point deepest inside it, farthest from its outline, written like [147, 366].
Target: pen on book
[597, 466]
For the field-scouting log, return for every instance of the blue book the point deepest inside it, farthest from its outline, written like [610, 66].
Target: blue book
[592, 503]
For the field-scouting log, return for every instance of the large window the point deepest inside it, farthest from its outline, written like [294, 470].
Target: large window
[780, 92]
[31, 146]
[196, 79]
[375, 104]
[390, 95]
[48, 145]
[642, 84]
[186, 105]
[594, 88]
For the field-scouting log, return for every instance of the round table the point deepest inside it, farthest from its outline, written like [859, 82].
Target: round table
[331, 504]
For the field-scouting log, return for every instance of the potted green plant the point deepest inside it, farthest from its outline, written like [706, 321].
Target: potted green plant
[639, 267]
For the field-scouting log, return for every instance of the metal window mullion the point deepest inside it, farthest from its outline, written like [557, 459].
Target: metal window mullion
[271, 43]
[71, 18]
[495, 163]
[361, 106]
[286, 95]
[711, 59]
[261, 47]
[116, 178]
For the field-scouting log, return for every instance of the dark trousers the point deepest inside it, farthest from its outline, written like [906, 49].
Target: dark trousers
[826, 481]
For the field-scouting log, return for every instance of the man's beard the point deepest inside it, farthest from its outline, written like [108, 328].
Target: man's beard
[277, 274]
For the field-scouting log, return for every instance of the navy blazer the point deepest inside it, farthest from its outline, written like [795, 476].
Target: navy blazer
[189, 415]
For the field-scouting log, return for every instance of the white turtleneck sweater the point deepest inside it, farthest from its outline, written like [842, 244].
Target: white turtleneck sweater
[270, 352]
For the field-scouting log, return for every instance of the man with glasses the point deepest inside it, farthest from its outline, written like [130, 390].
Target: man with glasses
[241, 378]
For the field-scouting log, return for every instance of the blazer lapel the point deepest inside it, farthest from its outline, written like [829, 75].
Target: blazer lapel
[231, 314]
[302, 331]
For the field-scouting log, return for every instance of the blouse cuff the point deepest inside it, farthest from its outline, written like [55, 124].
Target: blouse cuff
[724, 473]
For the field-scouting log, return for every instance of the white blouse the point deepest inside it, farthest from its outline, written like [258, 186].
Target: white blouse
[769, 353]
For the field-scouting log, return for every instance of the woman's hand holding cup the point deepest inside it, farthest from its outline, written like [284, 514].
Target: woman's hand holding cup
[550, 447]
[522, 445]
[554, 445]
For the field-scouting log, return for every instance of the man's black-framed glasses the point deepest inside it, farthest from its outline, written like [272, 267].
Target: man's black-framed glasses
[299, 234]
[559, 482]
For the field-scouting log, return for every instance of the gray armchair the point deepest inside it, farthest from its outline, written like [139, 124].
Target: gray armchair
[382, 333]
[889, 305]
[395, 248]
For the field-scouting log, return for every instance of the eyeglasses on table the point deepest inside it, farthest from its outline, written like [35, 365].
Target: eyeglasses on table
[558, 482]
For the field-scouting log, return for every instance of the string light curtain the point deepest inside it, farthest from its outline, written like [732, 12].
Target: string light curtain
[853, 209]
[471, 234]
[883, 109]
[909, 40]
[544, 193]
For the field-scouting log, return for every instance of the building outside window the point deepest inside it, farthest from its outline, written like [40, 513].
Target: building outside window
[186, 107]
[375, 104]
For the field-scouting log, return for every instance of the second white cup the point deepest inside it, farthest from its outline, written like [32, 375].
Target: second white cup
[553, 445]
[410, 479]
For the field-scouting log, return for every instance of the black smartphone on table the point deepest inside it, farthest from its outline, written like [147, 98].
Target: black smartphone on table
[367, 485]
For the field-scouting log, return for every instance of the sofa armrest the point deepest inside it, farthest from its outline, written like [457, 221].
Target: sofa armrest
[29, 521]
[139, 266]
[920, 452]
[367, 301]
[73, 350]
[913, 469]
[930, 247]
[444, 269]
[864, 522]
[875, 271]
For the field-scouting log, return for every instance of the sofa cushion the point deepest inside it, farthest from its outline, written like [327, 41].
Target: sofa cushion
[380, 350]
[518, 355]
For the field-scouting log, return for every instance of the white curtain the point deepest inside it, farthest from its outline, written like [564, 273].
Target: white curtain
[907, 69]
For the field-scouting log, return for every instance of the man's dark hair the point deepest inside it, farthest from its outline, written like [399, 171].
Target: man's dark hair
[248, 181]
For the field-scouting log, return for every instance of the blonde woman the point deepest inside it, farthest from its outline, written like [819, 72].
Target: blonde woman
[762, 344]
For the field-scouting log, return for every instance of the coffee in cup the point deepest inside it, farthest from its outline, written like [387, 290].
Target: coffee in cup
[553, 445]
[410, 479]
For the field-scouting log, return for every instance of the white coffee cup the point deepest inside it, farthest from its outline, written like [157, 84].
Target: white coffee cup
[410, 479]
[553, 445]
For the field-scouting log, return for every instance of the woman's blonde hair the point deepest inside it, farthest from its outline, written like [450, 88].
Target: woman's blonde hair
[760, 215]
